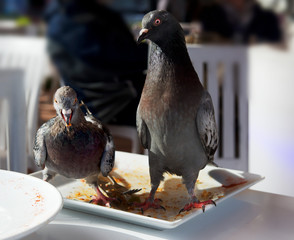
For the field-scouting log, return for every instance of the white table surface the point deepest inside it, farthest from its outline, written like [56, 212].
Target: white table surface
[271, 117]
[248, 215]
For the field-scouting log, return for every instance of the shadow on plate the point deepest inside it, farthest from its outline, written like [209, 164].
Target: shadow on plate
[226, 178]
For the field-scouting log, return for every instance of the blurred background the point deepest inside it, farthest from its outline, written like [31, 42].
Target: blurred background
[243, 52]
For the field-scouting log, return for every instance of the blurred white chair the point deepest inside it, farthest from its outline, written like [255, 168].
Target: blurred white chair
[29, 55]
[13, 120]
[127, 132]
[223, 71]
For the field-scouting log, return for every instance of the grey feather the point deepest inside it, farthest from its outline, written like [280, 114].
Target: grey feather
[108, 157]
[39, 148]
[206, 126]
[143, 131]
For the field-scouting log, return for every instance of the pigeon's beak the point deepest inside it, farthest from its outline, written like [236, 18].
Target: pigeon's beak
[67, 115]
[142, 35]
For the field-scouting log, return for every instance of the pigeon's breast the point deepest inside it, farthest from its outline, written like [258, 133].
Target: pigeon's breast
[171, 120]
[75, 154]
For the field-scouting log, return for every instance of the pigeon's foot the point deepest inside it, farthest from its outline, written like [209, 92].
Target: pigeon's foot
[48, 174]
[197, 204]
[104, 201]
[149, 204]
[101, 199]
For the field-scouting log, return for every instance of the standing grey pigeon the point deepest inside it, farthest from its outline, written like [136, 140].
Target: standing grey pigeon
[175, 116]
[73, 145]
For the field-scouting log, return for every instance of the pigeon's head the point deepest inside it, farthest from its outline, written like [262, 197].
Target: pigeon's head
[66, 105]
[161, 28]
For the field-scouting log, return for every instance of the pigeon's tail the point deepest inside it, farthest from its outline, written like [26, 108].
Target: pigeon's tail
[82, 104]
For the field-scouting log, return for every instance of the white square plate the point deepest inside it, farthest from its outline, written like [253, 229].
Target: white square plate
[132, 170]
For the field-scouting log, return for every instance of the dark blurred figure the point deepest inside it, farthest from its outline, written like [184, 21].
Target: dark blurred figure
[240, 21]
[96, 54]
[178, 8]
[36, 8]
[16, 8]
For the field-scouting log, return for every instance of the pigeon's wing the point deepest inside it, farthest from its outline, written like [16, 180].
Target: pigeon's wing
[39, 148]
[206, 126]
[143, 131]
[107, 160]
[108, 157]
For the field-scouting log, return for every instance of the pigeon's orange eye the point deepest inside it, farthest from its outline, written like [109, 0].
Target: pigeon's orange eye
[55, 100]
[157, 22]
[75, 101]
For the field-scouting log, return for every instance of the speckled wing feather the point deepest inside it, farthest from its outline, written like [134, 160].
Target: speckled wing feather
[39, 148]
[206, 126]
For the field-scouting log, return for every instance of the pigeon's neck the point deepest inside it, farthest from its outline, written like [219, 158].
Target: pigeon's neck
[169, 64]
[174, 51]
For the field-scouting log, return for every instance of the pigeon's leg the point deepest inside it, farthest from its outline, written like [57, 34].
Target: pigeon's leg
[100, 198]
[48, 174]
[156, 176]
[194, 202]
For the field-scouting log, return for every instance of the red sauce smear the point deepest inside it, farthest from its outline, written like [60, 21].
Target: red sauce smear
[233, 184]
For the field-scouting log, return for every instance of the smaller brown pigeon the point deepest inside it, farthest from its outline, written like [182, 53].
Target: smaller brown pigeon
[74, 145]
